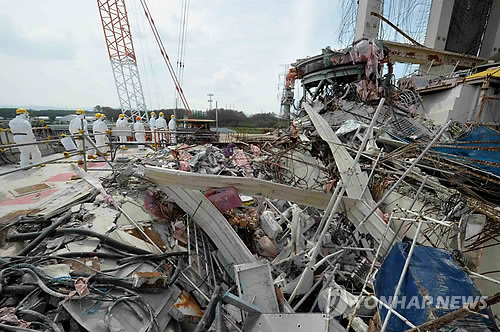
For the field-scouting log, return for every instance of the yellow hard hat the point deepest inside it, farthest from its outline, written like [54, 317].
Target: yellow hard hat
[153, 113]
[98, 115]
[80, 111]
[161, 114]
[137, 118]
[172, 116]
[122, 115]
[21, 111]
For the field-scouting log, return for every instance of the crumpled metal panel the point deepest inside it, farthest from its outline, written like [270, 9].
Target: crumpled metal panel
[298, 322]
[91, 314]
[255, 285]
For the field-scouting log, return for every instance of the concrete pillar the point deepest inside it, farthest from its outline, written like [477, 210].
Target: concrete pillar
[491, 41]
[439, 23]
[367, 25]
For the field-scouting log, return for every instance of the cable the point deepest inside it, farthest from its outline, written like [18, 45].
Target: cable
[183, 53]
[152, 257]
[177, 272]
[5, 327]
[165, 57]
[103, 238]
[43, 318]
[38, 280]
[134, 299]
[142, 53]
[181, 46]
[45, 233]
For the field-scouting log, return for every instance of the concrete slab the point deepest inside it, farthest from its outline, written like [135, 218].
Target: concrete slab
[29, 199]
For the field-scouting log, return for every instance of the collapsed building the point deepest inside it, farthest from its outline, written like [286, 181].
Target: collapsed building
[376, 209]
[316, 226]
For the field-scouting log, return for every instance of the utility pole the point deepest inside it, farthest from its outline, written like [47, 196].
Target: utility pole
[210, 95]
[216, 117]
[283, 93]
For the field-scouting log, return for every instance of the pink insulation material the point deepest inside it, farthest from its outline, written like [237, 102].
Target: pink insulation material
[224, 199]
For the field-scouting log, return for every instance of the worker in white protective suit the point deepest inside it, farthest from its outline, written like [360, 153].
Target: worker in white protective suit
[76, 128]
[105, 128]
[140, 136]
[172, 127]
[122, 124]
[100, 128]
[161, 127]
[152, 121]
[152, 127]
[23, 133]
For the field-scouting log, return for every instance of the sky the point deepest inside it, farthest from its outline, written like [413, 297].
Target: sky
[53, 53]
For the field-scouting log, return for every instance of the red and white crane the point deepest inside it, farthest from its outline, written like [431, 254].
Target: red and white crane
[121, 53]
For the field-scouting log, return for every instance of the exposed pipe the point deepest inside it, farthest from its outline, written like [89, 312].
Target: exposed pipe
[78, 231]
[337, 200]
[408, 170]
[402, 277]
[46, 232]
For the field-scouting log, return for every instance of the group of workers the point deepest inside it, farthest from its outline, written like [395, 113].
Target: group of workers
[160, 125]
[23, 134]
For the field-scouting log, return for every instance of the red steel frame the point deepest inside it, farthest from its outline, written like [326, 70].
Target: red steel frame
[114, 19]
[118, 36]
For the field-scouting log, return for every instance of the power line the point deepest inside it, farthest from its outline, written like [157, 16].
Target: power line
[181, 46]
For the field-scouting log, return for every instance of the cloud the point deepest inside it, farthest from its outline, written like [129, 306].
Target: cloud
[42, 43]
[56, 54]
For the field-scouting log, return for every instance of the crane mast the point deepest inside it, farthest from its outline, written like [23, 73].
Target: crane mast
[121, 53]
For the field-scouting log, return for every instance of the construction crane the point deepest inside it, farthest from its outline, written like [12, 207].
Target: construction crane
[121, 53]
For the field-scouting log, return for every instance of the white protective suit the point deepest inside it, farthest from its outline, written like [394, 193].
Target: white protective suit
[23, 133]
[74, 128]
[140, 136]
[172, 127]
[161, 126]
[161, 123]
[152, 122]
[122, 124]
[100, 127]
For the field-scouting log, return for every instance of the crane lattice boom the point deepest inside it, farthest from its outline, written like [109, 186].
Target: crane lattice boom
[121, 53]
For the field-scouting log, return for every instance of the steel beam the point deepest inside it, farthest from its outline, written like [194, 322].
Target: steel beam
[407, 53]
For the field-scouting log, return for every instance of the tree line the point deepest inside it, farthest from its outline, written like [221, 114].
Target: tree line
[227, 117]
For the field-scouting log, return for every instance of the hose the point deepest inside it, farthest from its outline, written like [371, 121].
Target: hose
[152, 257]
[41, 317]
[5, 327]
[39, 281]
[133, 299]
[177, 272]
[84, 254]
[45, 233]
[78, 231]
[18, 289]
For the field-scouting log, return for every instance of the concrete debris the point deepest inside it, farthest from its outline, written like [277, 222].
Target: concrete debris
[326, 225]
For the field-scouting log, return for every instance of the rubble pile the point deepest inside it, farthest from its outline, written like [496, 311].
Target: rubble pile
[306, 232]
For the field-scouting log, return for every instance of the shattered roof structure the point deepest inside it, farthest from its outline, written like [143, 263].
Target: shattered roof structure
[360, 215]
